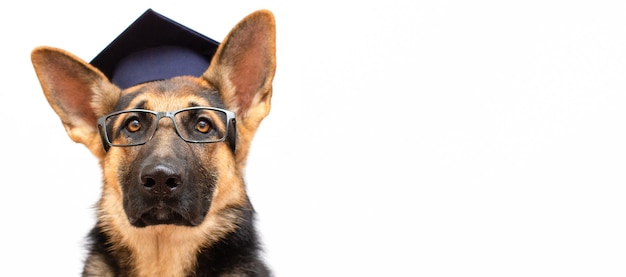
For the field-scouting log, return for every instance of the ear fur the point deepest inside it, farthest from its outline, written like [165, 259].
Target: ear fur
[243, 70]
[78, 92]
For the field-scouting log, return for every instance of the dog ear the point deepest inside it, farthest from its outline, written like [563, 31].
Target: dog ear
[78, 92]
[243, 69]
[244, 64]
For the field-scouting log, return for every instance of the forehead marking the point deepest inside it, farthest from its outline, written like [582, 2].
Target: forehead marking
[168, 95]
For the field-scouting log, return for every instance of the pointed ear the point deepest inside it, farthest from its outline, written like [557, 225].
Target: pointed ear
[243, 69]
[78, 92]
[244, 64]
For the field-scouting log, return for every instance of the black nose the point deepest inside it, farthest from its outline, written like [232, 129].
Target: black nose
[160, 180]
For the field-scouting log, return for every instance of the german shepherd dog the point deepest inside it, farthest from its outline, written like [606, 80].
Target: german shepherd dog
[171, 206]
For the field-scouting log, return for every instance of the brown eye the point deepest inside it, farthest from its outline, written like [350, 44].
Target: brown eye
[203, 126]
[133, 125]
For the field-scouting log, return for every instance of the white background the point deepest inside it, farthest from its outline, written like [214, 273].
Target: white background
[416, 138]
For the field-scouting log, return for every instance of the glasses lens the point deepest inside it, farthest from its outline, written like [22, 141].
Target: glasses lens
[201, 125]
[130, 128]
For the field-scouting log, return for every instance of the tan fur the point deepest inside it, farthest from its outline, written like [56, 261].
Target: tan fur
[167, 250]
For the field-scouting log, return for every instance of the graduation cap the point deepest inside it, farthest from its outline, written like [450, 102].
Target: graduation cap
[155, 47]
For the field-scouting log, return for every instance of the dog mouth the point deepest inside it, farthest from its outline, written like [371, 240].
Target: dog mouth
[158, 216]
[161, 213]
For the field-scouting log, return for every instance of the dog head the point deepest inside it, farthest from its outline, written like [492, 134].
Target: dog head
[174, 176]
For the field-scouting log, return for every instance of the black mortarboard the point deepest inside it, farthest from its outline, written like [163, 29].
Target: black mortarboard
[154, 47]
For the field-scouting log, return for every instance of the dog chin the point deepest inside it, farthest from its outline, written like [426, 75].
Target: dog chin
[158, 216]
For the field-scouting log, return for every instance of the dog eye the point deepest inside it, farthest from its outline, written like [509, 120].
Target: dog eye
[203, 125]
[133, 125]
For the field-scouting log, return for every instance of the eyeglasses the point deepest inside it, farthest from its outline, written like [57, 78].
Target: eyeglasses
[195, 125]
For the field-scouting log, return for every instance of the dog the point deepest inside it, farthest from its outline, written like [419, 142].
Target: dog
[172, 154]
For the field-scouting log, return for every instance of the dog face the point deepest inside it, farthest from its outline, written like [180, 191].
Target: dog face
[169, 181]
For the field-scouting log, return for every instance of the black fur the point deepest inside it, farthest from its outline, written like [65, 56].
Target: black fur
[237, 251]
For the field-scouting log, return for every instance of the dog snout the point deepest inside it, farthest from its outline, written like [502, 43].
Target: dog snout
[160, 180]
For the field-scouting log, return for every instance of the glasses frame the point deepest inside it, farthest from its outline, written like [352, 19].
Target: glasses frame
[231, 126]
